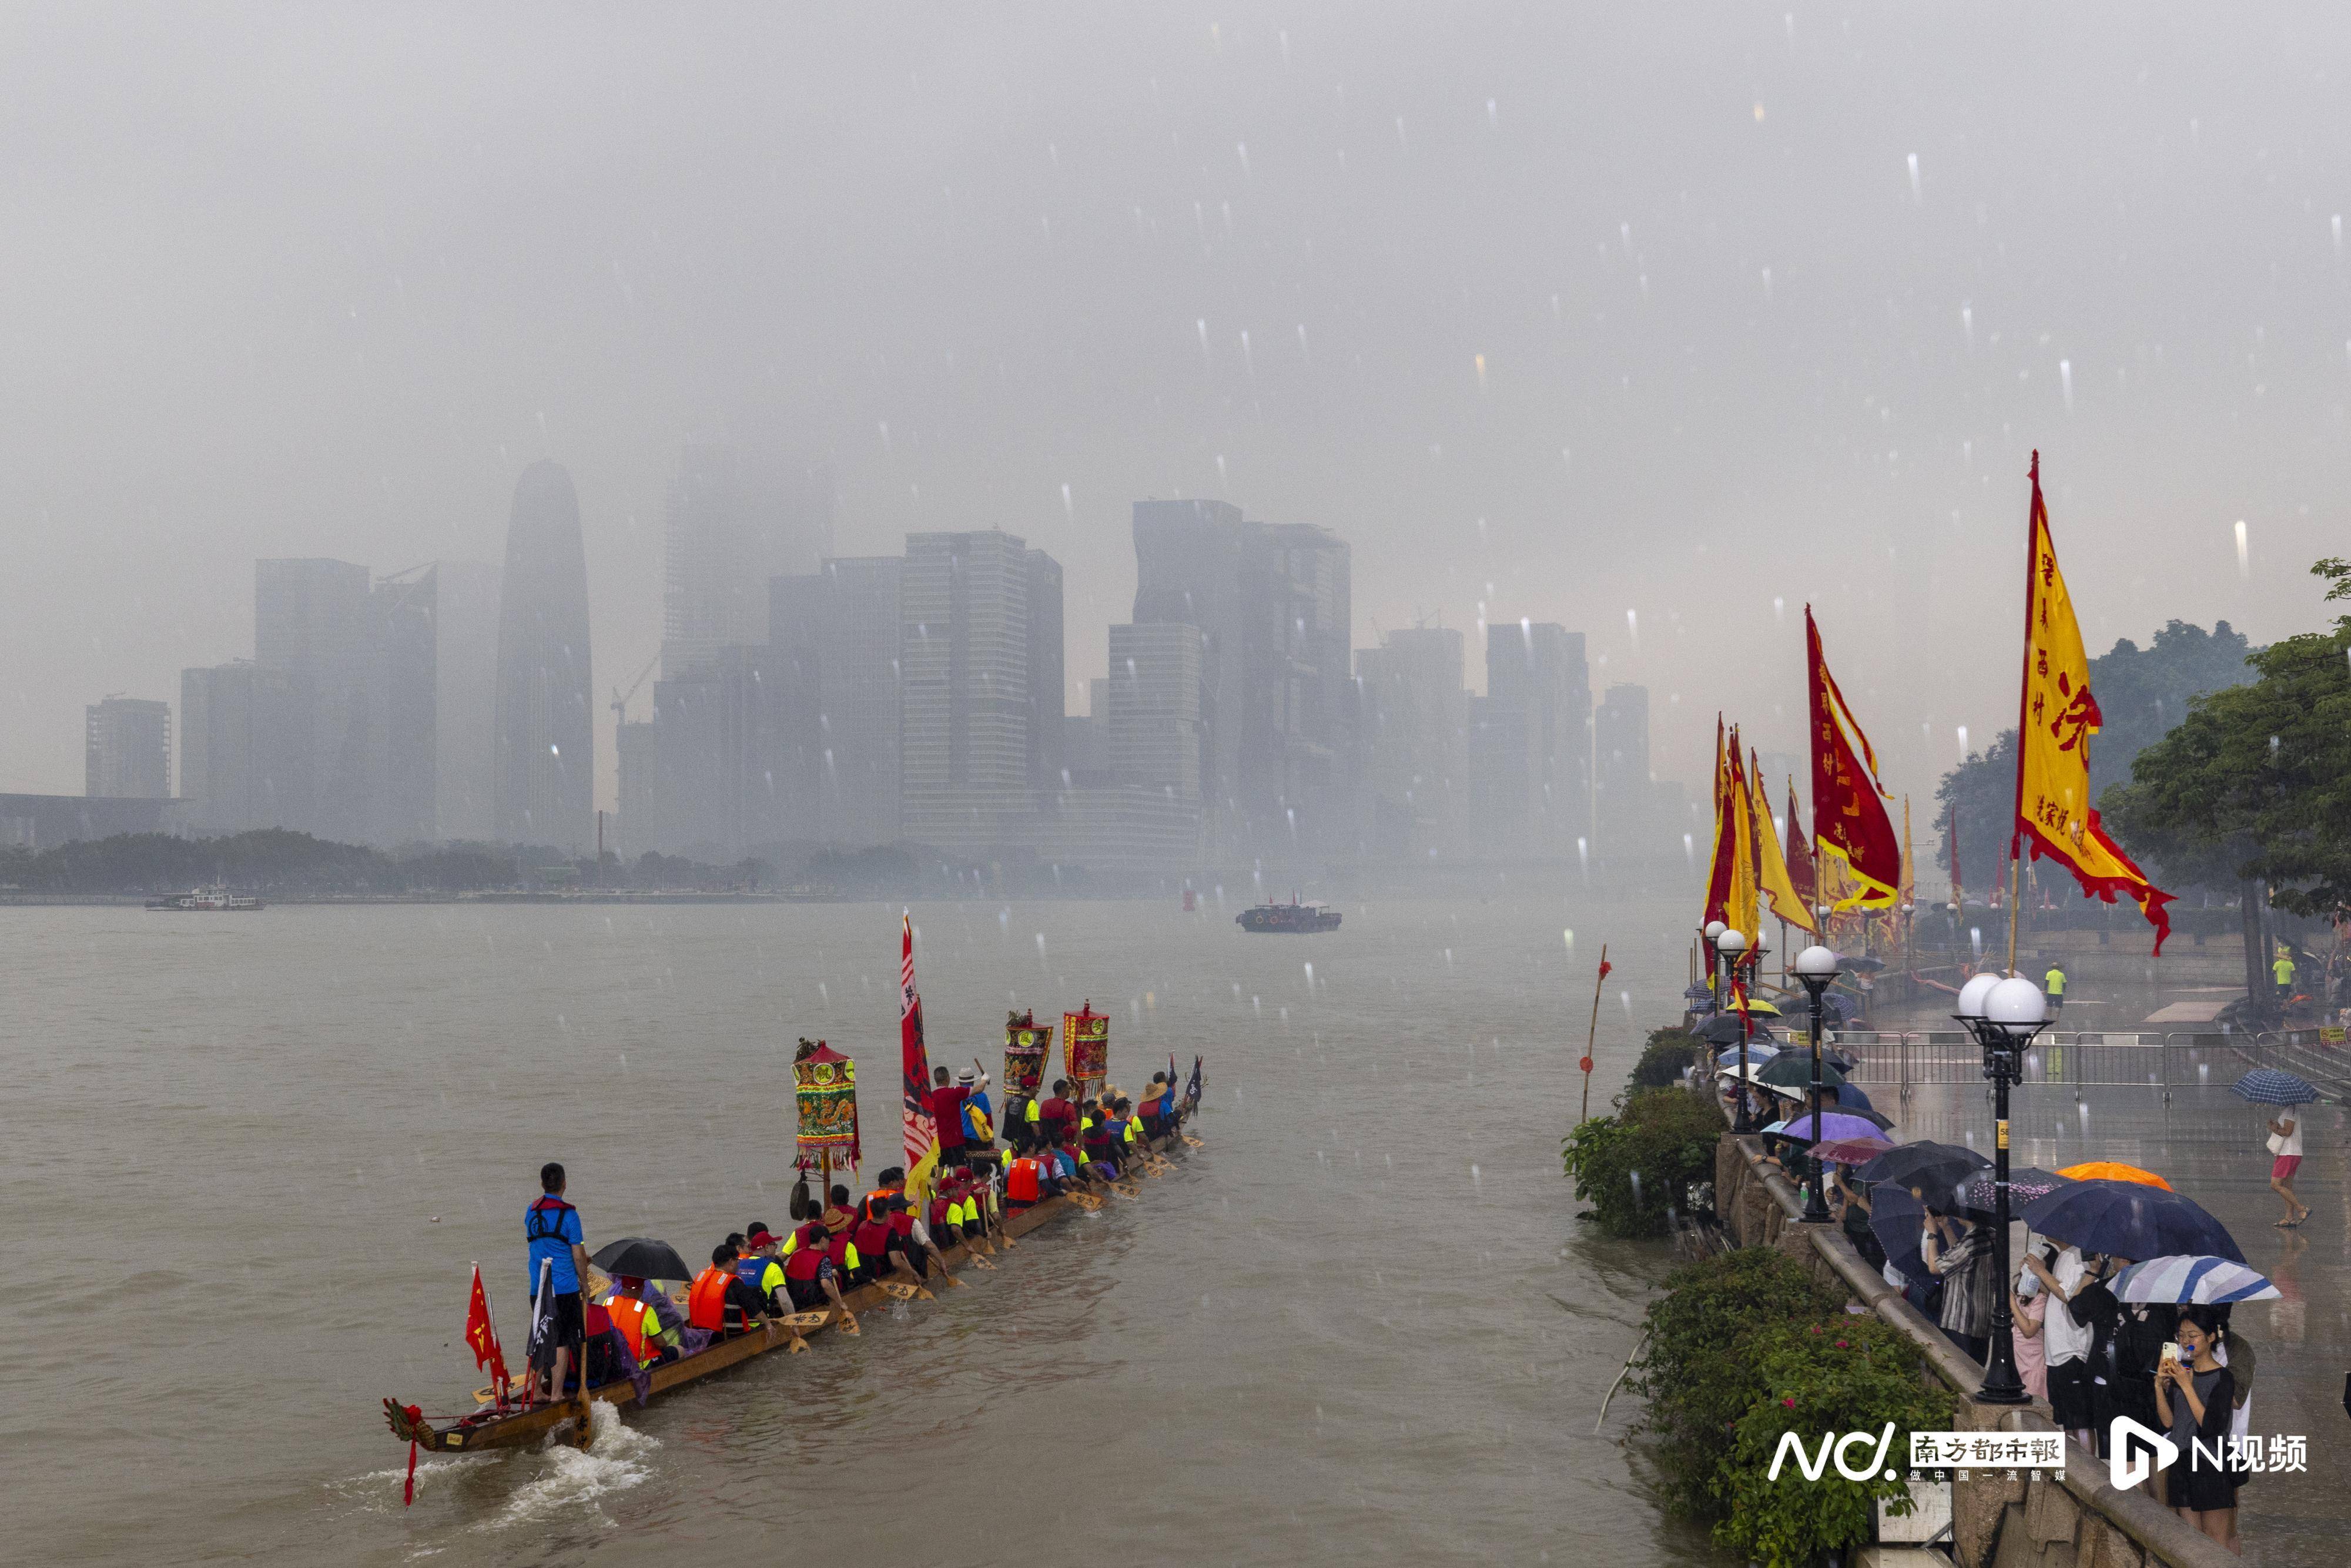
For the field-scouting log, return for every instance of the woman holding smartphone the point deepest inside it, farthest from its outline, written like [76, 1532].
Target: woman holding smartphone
[2193, 1394]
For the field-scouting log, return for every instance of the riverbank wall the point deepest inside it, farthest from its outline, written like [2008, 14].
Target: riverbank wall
[2070, 1518]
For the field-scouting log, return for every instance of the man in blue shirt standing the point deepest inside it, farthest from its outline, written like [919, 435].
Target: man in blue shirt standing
[553, 1229]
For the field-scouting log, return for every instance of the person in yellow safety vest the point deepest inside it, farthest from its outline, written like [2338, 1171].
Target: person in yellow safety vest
[2282, 972]
[635, 1311]
[2054, 984]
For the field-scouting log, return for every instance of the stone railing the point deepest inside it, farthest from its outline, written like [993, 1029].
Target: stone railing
[2071, 1519]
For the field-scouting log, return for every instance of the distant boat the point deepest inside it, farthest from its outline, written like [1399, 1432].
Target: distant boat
[1292, 917]
[208, 900]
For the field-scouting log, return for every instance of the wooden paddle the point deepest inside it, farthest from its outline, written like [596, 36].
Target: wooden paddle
[797, 1322]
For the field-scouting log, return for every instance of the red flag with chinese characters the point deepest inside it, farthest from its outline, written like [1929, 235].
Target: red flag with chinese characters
[1849, 821]
[1722, 866]
[1800, 853]
[2055, 718]
[481, 1334]
[922, 1131]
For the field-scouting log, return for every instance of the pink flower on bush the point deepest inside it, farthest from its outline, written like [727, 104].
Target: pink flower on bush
[1789, 1402]
[1841, 1344]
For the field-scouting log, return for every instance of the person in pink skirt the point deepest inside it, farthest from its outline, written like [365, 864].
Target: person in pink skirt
[2031, 1353]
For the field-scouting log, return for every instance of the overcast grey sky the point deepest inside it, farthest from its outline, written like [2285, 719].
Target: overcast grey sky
[319, 281]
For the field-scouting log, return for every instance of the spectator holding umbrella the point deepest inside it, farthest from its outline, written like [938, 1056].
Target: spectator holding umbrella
[2288, 1094]
[1959, 1249]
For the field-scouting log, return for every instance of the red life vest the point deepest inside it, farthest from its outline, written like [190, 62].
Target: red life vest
[1021, 1184]
[595, 1319]
[872, 1238]
[902, 1223]
[635, 1321]
[938, 1215]
[705, 1304]
[838, 1247]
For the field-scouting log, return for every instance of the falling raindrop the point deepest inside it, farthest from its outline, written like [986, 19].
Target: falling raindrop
[1915, 197]
[1068, 509]
[2065, 377]
[2244, 559]
[1633, 627]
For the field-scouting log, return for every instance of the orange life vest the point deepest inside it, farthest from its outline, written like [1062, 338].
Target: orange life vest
[630, 1316]
[706, 1304]
[1020, 1183]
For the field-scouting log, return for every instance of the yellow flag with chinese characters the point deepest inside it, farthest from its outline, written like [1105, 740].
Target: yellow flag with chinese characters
[1770, 862]
[1742, 908]
[2055, 719]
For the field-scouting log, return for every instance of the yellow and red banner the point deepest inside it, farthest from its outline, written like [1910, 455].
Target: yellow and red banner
[2056, 715]
[1719, 865]
[1849, 821]
[1744, 906]
[1772, 872]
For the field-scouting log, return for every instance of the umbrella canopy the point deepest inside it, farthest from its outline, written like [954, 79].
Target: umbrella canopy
[2109, 1170]
[1860, 962]
[1832, 1125]
[1759, 1051]
[1897, 1221]
[1837, 1058]
[2024, 1186]
[1793, 1070]
[1723, 1029]
[2129, 1219]
[1851, 1151]
[1929, 1167]
[1754, 1074]
[641, 1257]
[2208, 1282]
[2273, 1086]
[1850, 1098]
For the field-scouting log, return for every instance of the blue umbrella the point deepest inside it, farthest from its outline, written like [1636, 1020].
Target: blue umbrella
[2128, 1219]
[1758, 1054]
[1897, 1221]
[2274, 1086]
[1832, 1126]
[2212, 1281]
[1853, 1098]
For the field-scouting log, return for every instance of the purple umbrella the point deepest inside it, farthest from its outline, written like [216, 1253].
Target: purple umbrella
[1832, 1126]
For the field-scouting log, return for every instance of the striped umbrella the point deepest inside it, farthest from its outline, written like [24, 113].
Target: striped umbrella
[2207, 1282]
[2273, 1086]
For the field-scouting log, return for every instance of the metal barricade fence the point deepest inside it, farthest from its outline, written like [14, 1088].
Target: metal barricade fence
[2089, 1059]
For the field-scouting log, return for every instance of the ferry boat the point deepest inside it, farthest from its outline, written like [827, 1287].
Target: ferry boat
[206, 899]
[1292, 917]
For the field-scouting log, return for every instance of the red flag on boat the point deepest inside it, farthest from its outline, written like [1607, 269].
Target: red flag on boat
[481, 1334]
[922, 1130]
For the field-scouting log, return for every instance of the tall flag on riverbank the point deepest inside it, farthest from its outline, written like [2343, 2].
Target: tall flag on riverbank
[482, 1337]
[921, 1132]
[1788, 901]
[1745, 904]
[2055, 718]
[1721, 865]
[1800, 856]
[1849, 821]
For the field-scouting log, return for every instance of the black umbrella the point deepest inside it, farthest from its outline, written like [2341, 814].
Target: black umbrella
[641, 1258]
[1723, 1029]
[1933, 1168]
[2128, 1220]
[1897, 1221]
[1793, 1070]
[2024, 1186]
[1849, 1097]
[1837, 1058]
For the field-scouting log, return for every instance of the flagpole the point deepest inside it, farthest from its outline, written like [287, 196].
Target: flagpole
[1592, 1037]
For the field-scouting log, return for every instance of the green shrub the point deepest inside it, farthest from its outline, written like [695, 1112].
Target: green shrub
[1662, 1060]
[1636, 1168]
[1698, 1370]
[1837, 1374]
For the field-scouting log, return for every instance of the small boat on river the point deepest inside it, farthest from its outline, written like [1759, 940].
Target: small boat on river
[1292, 916]
[206, 901]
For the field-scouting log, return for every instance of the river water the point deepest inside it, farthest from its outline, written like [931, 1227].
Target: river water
[248, 1160]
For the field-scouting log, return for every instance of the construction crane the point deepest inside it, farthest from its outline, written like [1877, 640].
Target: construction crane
[621, 700]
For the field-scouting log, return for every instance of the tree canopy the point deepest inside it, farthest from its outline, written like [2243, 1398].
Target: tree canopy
[2255, 783]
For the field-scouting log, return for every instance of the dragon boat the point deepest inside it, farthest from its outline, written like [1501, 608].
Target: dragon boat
[489, 1426]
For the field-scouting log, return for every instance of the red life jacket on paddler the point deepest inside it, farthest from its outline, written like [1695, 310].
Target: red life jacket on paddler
[630, 1316]
[1021, 1184]
[937, 1216]
[705, 1304]
[902, 1223]
[838, 1244]
[872, 1238]
[802, 1265]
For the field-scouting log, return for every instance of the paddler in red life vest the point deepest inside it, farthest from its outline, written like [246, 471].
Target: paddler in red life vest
[810, 1278]
[841, 1248]
[917, 1251]
[1056, 1119]
[636, 1310]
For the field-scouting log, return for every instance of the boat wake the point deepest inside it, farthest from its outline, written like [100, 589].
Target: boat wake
[618, 1458]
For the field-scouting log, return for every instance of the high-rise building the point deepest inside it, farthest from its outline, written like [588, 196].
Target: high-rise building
[843, 622]
[465, 699]
[1532, 740]
[399, 714]
[127, 749]
[1623, 801]
[1048, 697]
[734, 521]
[1280, 721]
[545, 742]
[966, 757]
[1152, 719]
[242, 735]
[735, 756]
[311, 623]
[1415, 739]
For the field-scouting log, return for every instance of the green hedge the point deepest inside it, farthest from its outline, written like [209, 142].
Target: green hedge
[1668, 1052]
[1637, 1169]
[1746, 1346]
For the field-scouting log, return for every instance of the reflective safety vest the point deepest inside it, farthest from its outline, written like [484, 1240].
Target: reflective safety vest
[639, 1326]
[2283, 971]
[1022, 1183]
[2054, 982]
[754, 1271]
[705, 1304]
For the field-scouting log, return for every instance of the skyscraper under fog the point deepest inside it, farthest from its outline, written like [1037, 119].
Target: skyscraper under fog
[966, 620]
[128, 749]
[311, 623]
[843, 622]
[735, 519]
[1624, 800]
[1533, 786]
[545, 746]
[1415, 736]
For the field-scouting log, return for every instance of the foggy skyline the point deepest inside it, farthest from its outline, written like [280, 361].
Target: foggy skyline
[1617, 312]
